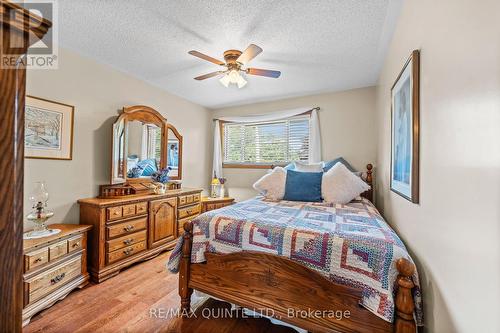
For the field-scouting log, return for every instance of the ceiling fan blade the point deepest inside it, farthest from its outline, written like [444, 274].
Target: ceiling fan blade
[264, 72]
[207, 58]
[251, 52]
[206, 76]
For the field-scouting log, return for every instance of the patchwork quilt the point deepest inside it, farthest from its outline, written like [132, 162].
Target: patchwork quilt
[349, 244]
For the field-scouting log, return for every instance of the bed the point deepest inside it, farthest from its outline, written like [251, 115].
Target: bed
[322, 267]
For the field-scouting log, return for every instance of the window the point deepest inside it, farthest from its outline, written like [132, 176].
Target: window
[266, 143]
[153, 135]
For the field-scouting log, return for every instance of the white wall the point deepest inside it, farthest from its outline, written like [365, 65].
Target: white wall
[347, 125]
[454, 232]
[98, 92]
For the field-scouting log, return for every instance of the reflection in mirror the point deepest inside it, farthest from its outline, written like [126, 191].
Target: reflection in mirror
[143, 149]
[173, 154]
[118, 152]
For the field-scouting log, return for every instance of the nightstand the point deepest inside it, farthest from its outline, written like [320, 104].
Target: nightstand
[208, 203]
[53, 267]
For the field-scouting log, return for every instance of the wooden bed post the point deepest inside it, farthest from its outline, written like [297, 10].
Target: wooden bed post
[405, 305]
[369, 181]
[184, 269]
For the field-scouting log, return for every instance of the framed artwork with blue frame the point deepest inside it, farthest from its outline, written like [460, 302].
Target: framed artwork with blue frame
[405, 126]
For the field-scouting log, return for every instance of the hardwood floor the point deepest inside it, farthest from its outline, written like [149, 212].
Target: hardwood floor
[123, 304]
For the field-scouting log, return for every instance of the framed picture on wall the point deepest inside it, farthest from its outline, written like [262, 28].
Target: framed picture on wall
[48, 131]
[405, 127]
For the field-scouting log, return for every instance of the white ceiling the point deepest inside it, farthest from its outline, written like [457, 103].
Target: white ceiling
[319, 46]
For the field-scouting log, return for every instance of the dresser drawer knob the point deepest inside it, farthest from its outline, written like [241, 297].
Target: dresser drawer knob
[128, 251]
[57, 278]
[128, 228]
[38, 259]
[128, 241]
[77, 244]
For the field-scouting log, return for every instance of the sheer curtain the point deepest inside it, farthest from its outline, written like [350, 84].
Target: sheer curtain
[314, 133]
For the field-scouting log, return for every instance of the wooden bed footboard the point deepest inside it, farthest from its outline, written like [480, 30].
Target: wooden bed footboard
[279, 287]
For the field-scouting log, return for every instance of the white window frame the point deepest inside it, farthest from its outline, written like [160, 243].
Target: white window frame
[261, 165]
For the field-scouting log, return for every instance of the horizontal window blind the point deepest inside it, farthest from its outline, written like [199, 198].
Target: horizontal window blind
[274, 142]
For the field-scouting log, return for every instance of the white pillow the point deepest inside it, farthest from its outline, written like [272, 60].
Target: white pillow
[305, 167]
[272, 185]
[340, 185]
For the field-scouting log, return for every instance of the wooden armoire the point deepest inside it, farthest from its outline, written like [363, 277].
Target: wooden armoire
[17, 26]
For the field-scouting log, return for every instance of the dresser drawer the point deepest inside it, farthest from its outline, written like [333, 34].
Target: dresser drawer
[182, 221]
[35, 259]
[196, 197]
[126, 252]
[57, 250]
[75, 244]
[128, 210]
[125, 228]
[113, 213]
[141, 208]
[188, 211]
[125, 241]
[43, 284]
[181, 200]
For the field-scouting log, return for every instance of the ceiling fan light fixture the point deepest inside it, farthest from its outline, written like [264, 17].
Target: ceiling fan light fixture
[241, 82]
[225, 80]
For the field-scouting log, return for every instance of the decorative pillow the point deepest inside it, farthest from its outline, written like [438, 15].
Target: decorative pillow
[290, 166]
[340, 185]
[330, 164]
[306, 167]
[303, 186]
[272, 185]
[148, 166]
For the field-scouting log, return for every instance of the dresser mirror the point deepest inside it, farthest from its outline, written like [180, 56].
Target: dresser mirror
[174, 152]
[143, 143]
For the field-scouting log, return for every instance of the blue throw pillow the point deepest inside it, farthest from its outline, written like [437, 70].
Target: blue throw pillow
[330, 164]
[148, 166]
[303, 186]
[290, 166]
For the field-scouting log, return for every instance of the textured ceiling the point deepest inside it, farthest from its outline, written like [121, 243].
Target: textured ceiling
[319, 46]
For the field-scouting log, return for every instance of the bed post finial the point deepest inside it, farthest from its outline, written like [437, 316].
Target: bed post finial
[369, 177]
[405, 305]
[184, 269]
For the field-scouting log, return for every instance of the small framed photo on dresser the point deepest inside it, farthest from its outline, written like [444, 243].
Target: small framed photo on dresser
[405, 126]
[48, 131]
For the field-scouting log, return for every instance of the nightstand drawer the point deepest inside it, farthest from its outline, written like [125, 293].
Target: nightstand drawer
[50, 280]
[126, 252]
[125, 241]
[75, 244]
[125, 228]
[58, 250]
[35, 259]
[188, 211]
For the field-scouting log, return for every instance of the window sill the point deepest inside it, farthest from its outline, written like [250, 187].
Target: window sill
[250, 166]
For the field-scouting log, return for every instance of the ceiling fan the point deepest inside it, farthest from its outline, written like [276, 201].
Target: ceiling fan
[235, 60]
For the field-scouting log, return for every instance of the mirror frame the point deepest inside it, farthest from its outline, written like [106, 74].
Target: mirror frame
[178, 136]
[144, 114]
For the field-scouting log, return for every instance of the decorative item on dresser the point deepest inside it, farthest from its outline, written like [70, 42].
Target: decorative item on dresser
[134, 228]
[208, 203]
[53, 267]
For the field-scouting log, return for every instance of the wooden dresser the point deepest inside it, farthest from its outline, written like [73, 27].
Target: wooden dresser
[208, 203]
[53, 267]
[135, 227]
